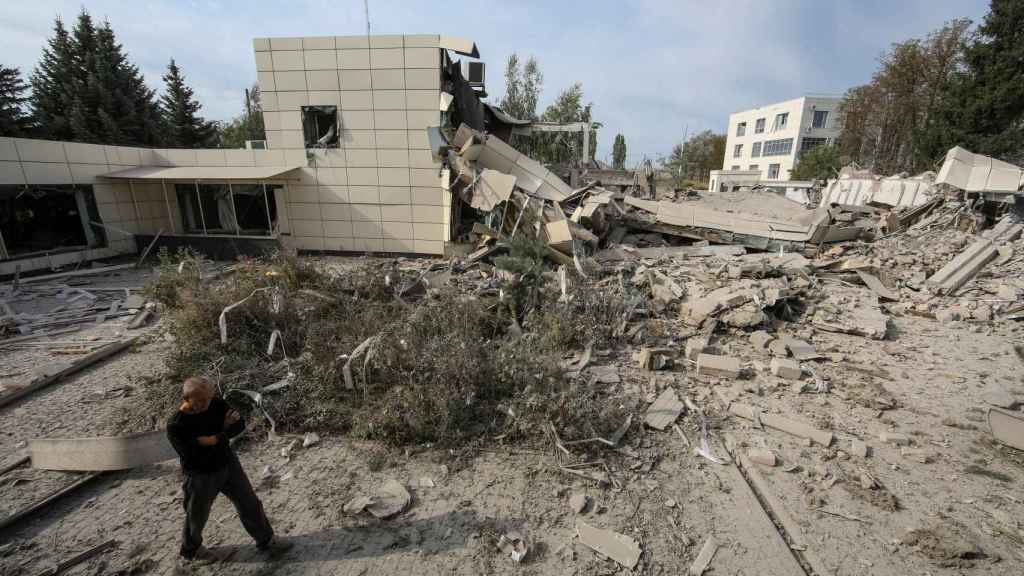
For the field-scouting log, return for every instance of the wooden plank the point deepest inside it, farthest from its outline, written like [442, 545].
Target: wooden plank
[78, 558]
[32, 509]
[148, 248]
[86, 272]
[16, 464]
[78, 365]
[102, 453]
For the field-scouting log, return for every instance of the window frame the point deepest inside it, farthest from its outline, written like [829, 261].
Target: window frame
[778, 170]
[737, 151]
[310, 116]
[759, 125]
[824, 122]
[741, 129]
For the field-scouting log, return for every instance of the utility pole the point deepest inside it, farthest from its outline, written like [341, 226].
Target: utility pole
[682, 147]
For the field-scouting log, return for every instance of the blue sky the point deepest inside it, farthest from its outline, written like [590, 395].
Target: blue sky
[652, 67]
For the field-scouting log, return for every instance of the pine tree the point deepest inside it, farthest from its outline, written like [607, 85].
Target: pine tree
[184, 127]
[53, 86]
[619, 152]
[14, 120]
[86, 90]
[128, 112]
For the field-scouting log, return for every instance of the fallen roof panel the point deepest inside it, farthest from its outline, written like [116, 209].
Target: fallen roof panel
[979, 173]
[201, 172]
[458, 45]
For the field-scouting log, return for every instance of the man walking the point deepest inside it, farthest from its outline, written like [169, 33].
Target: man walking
[199, 433]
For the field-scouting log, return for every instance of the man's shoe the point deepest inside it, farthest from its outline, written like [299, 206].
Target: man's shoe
[202, 556]
[276, 546]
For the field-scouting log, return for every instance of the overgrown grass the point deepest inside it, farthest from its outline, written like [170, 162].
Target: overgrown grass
[448, 368]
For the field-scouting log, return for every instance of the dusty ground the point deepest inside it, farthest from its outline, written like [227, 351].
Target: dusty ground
[963, 504]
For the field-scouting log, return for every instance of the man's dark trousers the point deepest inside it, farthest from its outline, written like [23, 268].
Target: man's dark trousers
[201, 490]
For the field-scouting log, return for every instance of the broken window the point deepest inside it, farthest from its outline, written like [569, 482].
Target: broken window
[320, 126]
[781, 121]
[773, 171]
[47, 219]
[240, 209]
[735, 167]
[759, 126]
[737, 151]
[820, 119]
[753, 167]
[811, 143]
[741, 128]
[755, 150]
[778, 147]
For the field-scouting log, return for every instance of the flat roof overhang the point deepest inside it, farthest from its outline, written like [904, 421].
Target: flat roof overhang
[202, 173]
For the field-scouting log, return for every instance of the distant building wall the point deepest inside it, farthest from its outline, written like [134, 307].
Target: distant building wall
[774, 150]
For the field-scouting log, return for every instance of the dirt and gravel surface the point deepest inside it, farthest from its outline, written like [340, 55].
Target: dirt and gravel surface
[946, 504]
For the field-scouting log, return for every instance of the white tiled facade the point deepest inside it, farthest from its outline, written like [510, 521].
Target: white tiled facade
[754, 132]
[380, 190]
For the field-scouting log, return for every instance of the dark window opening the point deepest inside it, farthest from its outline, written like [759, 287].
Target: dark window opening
[320, 126]
[48, 218]
[240, 209]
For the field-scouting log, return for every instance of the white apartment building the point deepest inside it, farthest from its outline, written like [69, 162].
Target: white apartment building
[769, 139]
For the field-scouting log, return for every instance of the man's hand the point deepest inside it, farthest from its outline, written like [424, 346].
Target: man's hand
[231, 417]
[207, 440]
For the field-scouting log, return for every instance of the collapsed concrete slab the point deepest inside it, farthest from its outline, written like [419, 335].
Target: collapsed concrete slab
[979, 173]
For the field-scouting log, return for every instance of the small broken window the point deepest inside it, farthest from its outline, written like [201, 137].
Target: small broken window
[320, 126]
[737, 151]
[759, 126]
[781, 121]
[773, 171]
[741, 128]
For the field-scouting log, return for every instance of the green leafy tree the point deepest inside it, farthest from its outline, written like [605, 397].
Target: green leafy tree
[988, 113]
[619, 152]
[695, 158]
[184, 127]
[565, 147]
[246, 126]
[14, 119]
[522, 88]
[818, 163]
[899, 122]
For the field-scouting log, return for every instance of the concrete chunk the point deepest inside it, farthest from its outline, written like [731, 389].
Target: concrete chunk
[895, 438]
[720, 366]
[664, 411]
[763, 457]
[786, 368]
[778, 348]
[695, 347]
[619, 547]
[858, 448]
[761, 339]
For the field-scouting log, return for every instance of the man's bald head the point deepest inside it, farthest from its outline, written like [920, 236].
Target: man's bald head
[197, 393]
